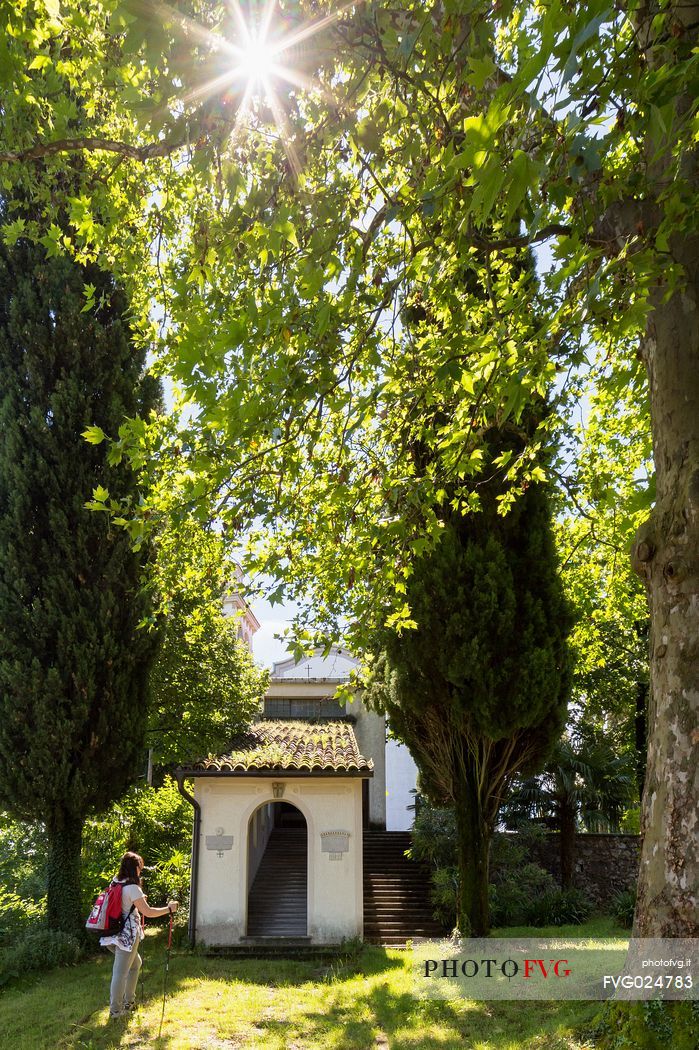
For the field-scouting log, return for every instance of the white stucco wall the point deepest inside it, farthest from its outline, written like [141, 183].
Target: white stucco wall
[401, 778]
[259, 829]
[370, 731]
[335, 891]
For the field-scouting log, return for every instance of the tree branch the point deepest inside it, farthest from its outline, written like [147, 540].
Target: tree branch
[96, 144]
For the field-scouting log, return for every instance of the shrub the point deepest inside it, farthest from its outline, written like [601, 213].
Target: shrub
[443, 894]
[156, 823]
[39, 950]
[653, 1025]
[161, 831]
[560, 908]
[623, 906]
[23, 850]
[17, 915]
[516, 879]
[511, 896]
[434, 836]
[630, 823]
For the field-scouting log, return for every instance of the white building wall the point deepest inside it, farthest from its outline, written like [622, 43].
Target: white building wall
[259, 830]
[335, 890]
[370, 731]
[401, 778]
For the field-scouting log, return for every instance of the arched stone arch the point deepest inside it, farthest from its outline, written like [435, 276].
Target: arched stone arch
[267, 796]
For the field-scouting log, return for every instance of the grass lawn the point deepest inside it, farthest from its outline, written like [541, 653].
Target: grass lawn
[364, 1001]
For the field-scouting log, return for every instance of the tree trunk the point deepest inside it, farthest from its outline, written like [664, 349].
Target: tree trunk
[64, 903]
[666, 549]
[473, 848]
[567, 844]
[666, 553]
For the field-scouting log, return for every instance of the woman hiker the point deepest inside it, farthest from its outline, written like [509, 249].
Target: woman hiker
[124, 945]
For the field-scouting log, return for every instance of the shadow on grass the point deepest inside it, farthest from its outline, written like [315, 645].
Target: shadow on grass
[382, 1018]
[360, 1002]
[364, 1022]
[94, 1031]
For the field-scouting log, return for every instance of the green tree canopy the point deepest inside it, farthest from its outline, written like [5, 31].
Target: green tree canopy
[478, 688]
[204, 685]
[607, 475]
[73, 661]
[433, 142]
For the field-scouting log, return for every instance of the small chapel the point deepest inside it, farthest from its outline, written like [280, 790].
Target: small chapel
[300, 830]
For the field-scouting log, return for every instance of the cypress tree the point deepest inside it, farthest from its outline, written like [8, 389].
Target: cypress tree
[73, 663]
[478, 691]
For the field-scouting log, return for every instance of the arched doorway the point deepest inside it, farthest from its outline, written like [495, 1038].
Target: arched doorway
[277, 872]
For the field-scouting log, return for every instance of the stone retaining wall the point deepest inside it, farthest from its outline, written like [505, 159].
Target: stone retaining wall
[604, 864]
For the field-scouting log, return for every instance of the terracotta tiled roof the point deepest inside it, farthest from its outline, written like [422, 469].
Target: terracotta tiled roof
[285, 745]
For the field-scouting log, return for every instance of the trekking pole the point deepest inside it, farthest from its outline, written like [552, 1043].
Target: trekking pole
[141, 975]
[167, 970]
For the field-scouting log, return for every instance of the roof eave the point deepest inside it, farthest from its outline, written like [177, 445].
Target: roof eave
[278, 773]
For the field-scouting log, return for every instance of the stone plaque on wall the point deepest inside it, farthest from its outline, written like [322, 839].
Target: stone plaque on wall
[219, 841]
[334, 841]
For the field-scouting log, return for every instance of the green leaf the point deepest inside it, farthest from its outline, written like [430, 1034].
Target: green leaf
[521, 175]
[478, 132]
[53, 241]
[489, 185]
[94, 435]
[287, 230]
[12, 231]
[368, 135]
[481, 69]
[39, 62]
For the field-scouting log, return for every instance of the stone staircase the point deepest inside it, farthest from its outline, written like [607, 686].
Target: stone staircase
[397, 904]
[277, 902]
[396, 892]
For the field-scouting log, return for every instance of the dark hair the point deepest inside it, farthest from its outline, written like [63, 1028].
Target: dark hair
[128, 869]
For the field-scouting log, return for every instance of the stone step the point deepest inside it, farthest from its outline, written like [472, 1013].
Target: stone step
[262, 914]
[396, 895]
[296, 878]
[409, 877]
[269, 902]
[273, 924]
[397, 901]
[270, 906]
[393, 909]
[405, 887]
[397, 905]
[385, 934]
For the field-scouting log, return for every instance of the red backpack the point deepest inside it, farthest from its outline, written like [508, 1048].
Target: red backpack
[106, 917]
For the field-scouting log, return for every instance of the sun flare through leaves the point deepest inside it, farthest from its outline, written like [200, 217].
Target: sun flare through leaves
[259, 65]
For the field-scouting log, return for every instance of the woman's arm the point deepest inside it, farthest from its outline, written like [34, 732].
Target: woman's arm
[144, 908]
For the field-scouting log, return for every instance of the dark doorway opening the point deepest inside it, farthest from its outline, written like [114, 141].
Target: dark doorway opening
[277, 872]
